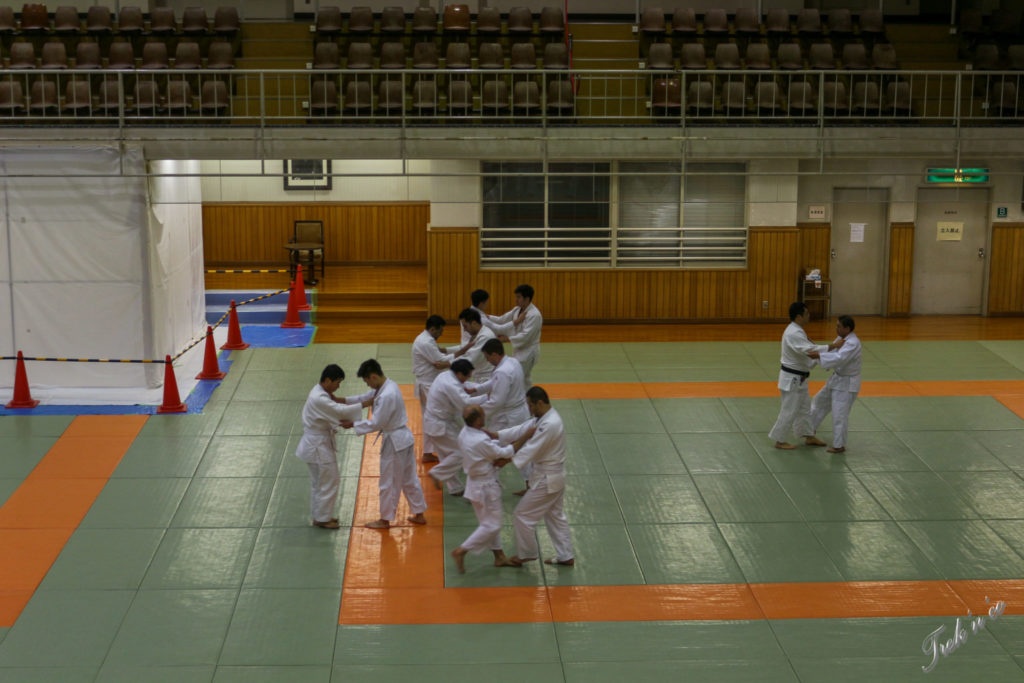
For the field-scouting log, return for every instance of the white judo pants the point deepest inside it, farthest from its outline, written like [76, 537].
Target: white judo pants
[447, 471]
[527, 358]
[323, 490]
[398, 476]
[538, 504]
[428, 441]
[837, 402]
[487, 535]
[795, 414]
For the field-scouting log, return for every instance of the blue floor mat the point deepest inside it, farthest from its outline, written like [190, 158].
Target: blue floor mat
[276, 337]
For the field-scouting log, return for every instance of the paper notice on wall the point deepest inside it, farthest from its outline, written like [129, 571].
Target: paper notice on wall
[857, 232]
[950, 231]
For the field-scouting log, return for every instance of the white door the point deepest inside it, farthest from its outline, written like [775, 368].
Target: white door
[860, 228]
[948, 274]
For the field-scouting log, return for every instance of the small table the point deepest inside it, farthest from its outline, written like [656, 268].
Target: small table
[817, 290]
[304, 253]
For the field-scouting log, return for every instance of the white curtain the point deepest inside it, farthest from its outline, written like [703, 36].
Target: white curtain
[89, 272]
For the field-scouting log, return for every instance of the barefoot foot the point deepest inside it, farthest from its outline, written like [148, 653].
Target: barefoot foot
[782, 445]
[566, 563]
[459, 555]
[814, 441]
[418, 518]
[836, 450]
[378, 524]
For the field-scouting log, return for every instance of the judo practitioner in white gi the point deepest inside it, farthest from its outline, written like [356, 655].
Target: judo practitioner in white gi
[397, 459]
[427, 361]
[795, 413]
[478, 333]
[521, 327]
[479, 301]
[840, 391]
[541, 442]
[321, 416]
[443, 420]
[482, 457]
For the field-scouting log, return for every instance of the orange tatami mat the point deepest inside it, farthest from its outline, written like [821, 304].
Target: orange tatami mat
[397, 576]
[40, 516]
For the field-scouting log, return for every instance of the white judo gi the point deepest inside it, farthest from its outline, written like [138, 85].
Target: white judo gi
[442, 419]
[840, 391]
[425, 352]
[545, 451]
[397, 460]
[795, 413]
[525, 337]
[320, 417]
[503, 397]
[483, 489]
[475, 354]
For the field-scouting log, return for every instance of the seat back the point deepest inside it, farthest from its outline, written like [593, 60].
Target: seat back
[391, 96]
[34, 17]
[221, 56]
[121, 56]
[855, 56]
[55, 56]
[357, 95]
[310, 232]
[129, 20]
[734, 96]
[42, 96]
[326, 56]
[424, 56]
[560, 95]
[110, 97]
[491, 56]
[716, 21]
[883, 56]
[821, 56]
[23, 56]
[556, 56]
[360, 20]
[424, 94]
[747, 20]
[684, 20]
[179, 96]
[456, 18]
[161, 20]
[494, 94]
[147, 96]
[99, 19]
[214, 96]
[802, 99]
[693, 56]
[323, 95]
[660, 56]
[154, 55]
[360, 56]
[328, 20]
[758, 56]
[66, 20]
[7, 24]
[523, 56]
[12, 96]
[727, 56]
[834, 97]
[666, 93]
[194, 20]
[460, 95]
[790, 56]
[186, 55]
[526, 95]
[700, 95]
[424, 20]
[392, 55]
[652, 20]
[392, 20]
[766, 96]
[777, 21]
[77, 96]
[457, 56]
[552, 20]
[520, 20]
[865, 97]
[226, 20]
[488, 20]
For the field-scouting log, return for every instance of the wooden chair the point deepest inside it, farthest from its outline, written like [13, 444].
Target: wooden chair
[308, 232]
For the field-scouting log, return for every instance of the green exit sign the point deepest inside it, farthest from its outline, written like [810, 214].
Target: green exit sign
[957, 175]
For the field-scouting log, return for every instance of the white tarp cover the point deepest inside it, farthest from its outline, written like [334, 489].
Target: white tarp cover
[88, 271]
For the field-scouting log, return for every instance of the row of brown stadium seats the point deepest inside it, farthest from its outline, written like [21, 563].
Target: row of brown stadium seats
[456, 19]
[122, 56]
[494, 95]
[987, 57]
[747, 20]
[758, 56]
[1002, 23]
[108, 100]
[393, 55]
[130, 20]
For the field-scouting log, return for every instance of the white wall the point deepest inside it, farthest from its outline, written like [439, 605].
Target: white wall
[772, 200]
[901, 176]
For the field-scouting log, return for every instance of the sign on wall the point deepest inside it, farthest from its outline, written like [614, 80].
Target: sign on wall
[950, 231]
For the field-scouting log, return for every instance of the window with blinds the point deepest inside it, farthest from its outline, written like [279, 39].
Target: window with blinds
[665, 215]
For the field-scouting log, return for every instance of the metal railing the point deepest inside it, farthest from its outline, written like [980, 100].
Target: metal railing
[510, 96]
[614, 247]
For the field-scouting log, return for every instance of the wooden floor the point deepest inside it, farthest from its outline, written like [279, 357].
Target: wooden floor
[363, 281]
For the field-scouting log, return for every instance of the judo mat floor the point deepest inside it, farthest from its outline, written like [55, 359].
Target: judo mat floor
[178, 547]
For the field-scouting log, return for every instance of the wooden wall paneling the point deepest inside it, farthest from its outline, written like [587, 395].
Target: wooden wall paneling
[1006, 270]
[815, 246]
[901, 268]
[255, 233]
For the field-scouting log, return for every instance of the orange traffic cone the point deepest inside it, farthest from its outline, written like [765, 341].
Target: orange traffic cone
[300, 289]
[172, 402]
[22, 396]
[291, 317]
[210, 368]
[235, 342]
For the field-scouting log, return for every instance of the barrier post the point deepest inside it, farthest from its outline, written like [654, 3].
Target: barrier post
[22, 395]
[172, 401]
[234, 342]
[210, 368]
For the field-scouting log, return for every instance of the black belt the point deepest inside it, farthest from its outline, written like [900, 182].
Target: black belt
[803, 375]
